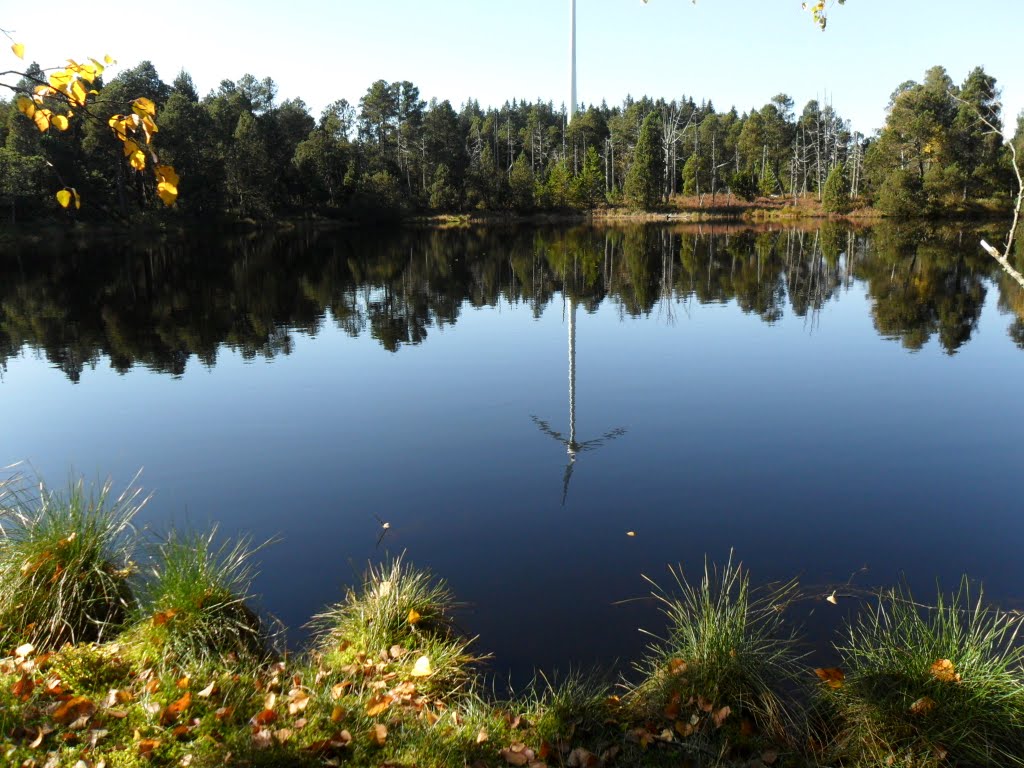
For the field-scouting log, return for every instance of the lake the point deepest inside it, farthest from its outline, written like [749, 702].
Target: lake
[835, 405]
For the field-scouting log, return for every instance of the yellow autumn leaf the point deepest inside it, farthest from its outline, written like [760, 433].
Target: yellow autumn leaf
[42, 119]
[108, 61]
[64, 198]
[167, 192]
[143, 106]
[167, 173]
[78, 198]
[98, 67]
[19, 50]
[25, 106]
[413, 617]
[138, 160]
[59, 122]
[944, 671]
[149, 128]
[60, 79]
[77, 93]
[422, 667]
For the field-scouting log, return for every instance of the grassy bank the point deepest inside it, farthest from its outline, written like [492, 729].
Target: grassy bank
[121, 649]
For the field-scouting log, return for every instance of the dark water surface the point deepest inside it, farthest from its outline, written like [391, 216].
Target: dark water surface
[821, 401]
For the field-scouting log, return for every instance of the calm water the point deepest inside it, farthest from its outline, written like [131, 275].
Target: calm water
[828, 403]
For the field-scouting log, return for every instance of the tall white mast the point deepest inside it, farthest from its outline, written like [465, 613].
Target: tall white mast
[572, 60]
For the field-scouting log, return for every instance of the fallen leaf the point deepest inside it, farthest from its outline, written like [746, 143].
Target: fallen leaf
[24, 687]
[631, 534]
[73, 709]
[413, 617]
[283, 734]
[172, 711]
[676, 666]
[146, 746]
[24, 651]
[397, 651]
[832, 598]
[379, 734]
[264, 717]
[582, 758]
[769, 757]
[223, 713]
[944, 671]
[162, 617]
[720, 716]
[422, 667]
[922, 706]
[337, 714]
[482, 736]
[338, 689]
[705, 704]
[262, 738]
[833, 677]
[297, 701]
[684, 729]
[378, 704]
[208, 691]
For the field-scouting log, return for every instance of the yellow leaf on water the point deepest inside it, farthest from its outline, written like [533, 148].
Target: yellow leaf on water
[422, 667]
[19, 50]
[832, 598]
[631, 534]
[413, 617]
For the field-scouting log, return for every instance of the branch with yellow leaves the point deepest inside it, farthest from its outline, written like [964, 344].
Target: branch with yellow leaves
[70, 88]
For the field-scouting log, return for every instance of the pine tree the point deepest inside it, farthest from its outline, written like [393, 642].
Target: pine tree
[645, 179]
[836, 195]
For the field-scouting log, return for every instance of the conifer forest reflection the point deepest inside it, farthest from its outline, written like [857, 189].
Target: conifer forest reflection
[825, 401]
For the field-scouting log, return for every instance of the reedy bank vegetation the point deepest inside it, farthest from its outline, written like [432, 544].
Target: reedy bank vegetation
[241, 151]
[180, 671]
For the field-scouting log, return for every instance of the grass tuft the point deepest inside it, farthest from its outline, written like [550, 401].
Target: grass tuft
[397, 607]
[64, 562]
[727, 647]
[193, 602]
[929, 686]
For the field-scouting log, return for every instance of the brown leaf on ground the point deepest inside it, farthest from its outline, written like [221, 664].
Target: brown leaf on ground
[336, 742]
[173, 710]
[833, 677]
[338, 689]
[146, 746]
[337, 714]
[922, 706]
[720, 716]
[685, 729]
[705, 705]
[262, 738]
[162, 617]
[208, 691]
[23, 688]
[582, 758]
[482, 736]
[944, 671]
[264, 717]
[677, 666]
[297, 701]
[378, 704]
[73, 709]
[378, 734]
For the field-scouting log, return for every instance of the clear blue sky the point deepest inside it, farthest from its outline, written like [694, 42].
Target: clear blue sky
[734, 52]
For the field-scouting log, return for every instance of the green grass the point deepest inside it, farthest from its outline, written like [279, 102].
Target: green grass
[727, 647]
[65, 562]
[398, 614]
[930, 686]
[193, 601]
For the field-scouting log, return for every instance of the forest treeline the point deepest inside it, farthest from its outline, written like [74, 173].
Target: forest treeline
[241, 152]
[161, 304]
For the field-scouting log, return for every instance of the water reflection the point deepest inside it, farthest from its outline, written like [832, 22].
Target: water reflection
[573, 447]
[163, 305]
